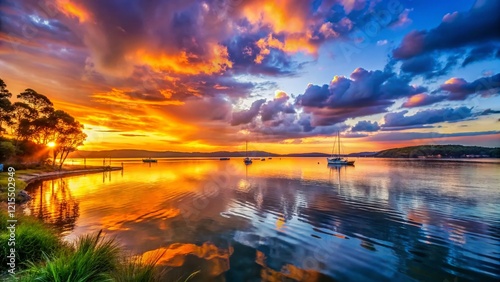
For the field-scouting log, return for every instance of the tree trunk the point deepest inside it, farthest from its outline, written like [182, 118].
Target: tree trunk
[64, 159]
[54, 155]
[60, 158]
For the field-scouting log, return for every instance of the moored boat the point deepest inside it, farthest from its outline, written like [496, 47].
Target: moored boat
[338, 160]
[247, 160]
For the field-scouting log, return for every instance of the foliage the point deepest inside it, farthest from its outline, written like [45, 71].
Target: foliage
[444, 151]
[7, 150]
[5, 105]
[34, 123]
[33, 239]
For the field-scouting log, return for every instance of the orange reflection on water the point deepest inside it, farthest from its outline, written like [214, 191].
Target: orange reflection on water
[55, 204]
[175, 256]
[288, 271]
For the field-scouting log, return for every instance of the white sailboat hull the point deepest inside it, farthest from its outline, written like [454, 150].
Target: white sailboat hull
[339, 161]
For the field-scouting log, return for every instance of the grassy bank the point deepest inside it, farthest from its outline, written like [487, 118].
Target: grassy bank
[42, 256]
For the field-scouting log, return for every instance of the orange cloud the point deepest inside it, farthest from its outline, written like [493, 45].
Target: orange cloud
[73, 10]
[292, 44]
[416, 99]
[277, 14]
[217, 61]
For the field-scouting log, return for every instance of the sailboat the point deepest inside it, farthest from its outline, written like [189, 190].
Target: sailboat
[337, 160]
[247, 160]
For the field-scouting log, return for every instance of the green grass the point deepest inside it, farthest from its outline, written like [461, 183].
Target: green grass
[41, 255]
[33, 239]
[93, 258]
[133, 269]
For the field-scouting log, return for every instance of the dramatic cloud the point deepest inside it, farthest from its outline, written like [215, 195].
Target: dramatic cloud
[277, 105]
[418, 65]
[247, 116]
[175, 70]
[364, 93]
[366, 126]
[489, 112]
[423, 117]
[459, 29]
[480, 53]
[459, 89]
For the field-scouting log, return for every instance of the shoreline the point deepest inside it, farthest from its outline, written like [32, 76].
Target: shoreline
[46, 175]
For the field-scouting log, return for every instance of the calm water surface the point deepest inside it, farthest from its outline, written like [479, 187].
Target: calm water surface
[291, 219]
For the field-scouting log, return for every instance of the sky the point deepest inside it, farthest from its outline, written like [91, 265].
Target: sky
[284, 75]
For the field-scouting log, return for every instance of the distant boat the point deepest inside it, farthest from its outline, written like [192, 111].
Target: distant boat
[269, 158]
[263, 159]
[224, 159]
[247, 160]
[338, 160]
[150, 160]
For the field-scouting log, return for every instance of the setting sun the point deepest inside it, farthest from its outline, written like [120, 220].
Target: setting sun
[51, 144]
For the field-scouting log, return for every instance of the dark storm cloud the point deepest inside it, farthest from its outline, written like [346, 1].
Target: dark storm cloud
[459, 29]
[366, 126]
[429, 116]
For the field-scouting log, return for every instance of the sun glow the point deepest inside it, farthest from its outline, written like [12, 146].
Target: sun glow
[51, 144]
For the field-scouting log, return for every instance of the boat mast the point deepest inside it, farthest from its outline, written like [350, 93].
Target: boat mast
[338, 138]
[246, 149]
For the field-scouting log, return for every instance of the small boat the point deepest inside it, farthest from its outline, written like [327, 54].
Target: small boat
[150, 160]
[338, 160]
[247, 160]
[263, 159]
[224, 159]
[269, 158]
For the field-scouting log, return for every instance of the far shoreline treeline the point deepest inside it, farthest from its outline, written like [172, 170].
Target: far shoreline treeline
[422, 151]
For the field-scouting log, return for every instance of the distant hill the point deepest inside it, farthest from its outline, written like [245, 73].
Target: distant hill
[363, 154]
[437, 151]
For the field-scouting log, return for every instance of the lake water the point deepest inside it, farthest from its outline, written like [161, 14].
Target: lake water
[291, 219]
